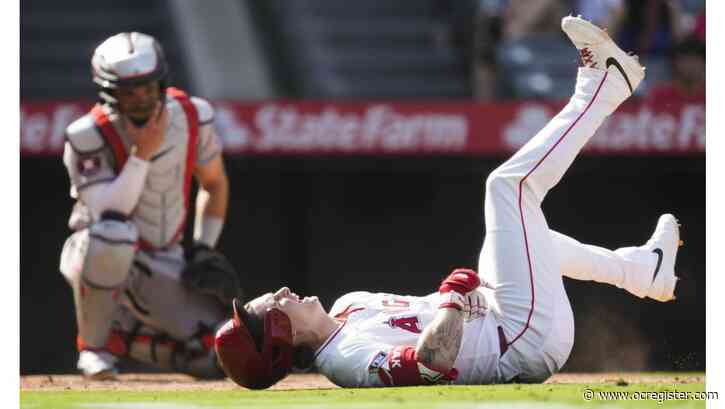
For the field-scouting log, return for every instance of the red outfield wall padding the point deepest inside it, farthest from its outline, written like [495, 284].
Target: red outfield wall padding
[402, 128]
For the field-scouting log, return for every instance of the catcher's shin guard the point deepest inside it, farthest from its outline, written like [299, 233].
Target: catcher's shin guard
[96, 262]
[146, 345]
[195, 357]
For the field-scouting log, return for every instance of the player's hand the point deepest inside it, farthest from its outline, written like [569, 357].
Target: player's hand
[474, 306]
[461, 280]
[148, 138]
[456, 286]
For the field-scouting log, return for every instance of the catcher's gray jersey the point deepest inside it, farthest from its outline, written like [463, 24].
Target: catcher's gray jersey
[91, 157]
[95, 151]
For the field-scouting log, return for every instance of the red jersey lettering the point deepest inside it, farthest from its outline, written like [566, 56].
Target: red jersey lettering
[409, 324]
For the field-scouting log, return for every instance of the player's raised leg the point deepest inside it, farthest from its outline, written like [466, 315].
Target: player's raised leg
[607, 79]
[645, 271]
[519, 257]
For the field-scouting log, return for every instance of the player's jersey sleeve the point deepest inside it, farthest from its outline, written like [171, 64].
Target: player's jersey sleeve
[209, 144]
[86, 157]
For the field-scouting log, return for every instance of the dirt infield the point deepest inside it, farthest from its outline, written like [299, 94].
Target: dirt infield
[172, 382]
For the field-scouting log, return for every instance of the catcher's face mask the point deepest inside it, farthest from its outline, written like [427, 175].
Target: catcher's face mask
[240, 357]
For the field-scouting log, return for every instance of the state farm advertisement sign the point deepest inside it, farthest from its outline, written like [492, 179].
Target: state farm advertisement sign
[319, 128]
[386, 128]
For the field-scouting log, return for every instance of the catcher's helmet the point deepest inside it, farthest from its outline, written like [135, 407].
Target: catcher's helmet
[248, 364]
[128, 59]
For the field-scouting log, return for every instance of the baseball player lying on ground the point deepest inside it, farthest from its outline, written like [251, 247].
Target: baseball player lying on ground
[131, 161]
[514, 322]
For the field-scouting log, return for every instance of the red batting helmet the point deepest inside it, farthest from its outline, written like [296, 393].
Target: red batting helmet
[242, 360]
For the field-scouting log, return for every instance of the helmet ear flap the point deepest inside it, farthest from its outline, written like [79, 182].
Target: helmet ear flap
[277, 327]
[278, 350]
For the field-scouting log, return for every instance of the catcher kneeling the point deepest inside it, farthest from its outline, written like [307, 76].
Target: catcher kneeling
[131, 161]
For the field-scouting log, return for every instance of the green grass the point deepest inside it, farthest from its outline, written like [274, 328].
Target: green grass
[458, 397]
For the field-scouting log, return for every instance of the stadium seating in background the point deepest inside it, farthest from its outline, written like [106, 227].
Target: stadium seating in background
[57, 40]
[365, 49]
[537, 66]
[544, 66]
[658, 71]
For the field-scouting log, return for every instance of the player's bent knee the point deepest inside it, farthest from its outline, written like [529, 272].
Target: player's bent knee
[110, 252]
[499, 183]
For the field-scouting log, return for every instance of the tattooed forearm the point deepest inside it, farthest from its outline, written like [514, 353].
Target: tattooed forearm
[439, 344]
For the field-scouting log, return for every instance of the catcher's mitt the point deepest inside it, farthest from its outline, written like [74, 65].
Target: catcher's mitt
[209, 272]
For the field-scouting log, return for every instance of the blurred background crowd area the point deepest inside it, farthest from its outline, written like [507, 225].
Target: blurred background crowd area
[482, 49]
[515, 48]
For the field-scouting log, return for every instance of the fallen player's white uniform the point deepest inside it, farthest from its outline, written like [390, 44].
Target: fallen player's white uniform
[522, 259]
[357, 354]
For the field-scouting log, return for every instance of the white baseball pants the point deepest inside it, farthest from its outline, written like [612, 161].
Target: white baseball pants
[523, 259]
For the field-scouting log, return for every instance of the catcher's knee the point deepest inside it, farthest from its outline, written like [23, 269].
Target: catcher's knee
[111, 248]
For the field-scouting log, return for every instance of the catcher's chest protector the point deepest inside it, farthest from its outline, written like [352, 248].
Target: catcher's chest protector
[162, 208]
